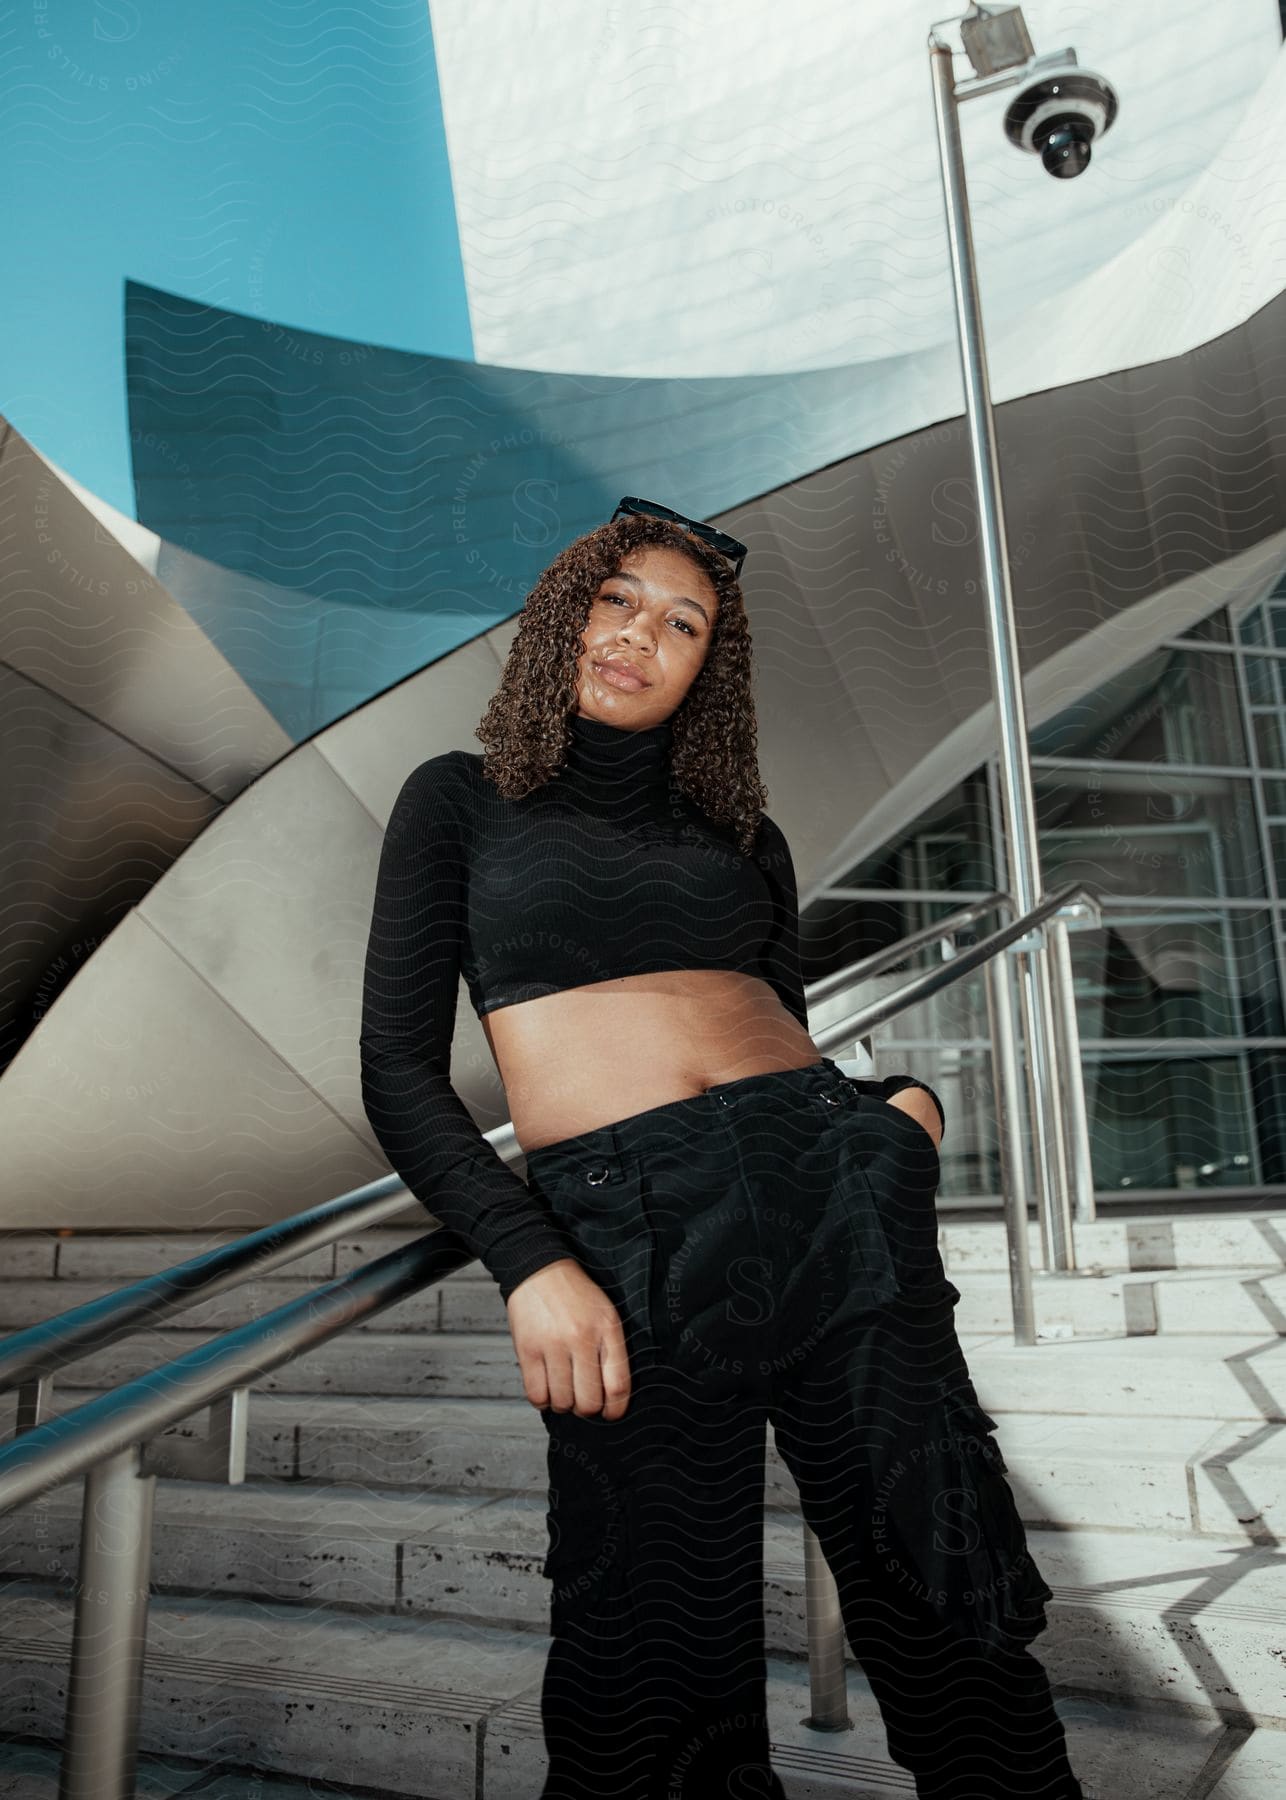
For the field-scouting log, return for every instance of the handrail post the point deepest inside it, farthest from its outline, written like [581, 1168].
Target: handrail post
[1013, 1159]
[104, 1690]
[1046, 1113]
[35, 1404]
[827, 1675]
[1076, 1131]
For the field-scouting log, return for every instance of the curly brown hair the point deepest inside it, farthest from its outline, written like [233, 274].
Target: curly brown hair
[713, 751]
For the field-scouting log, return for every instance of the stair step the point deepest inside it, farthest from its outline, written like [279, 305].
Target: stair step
[1157, 1615]
[1254, 1772]
[480, 1444]
[1178, 1302]
[1181, 1241]
[245, 1677]
[441, 1552]
[1166, 1618]
[1145, 1473]
[380, 1700]
[1185, 1239]
[398, 1489]
[230, 1682]
[1216, 1376]
[30, 1772]
[376, 1362]
[1112, 1303]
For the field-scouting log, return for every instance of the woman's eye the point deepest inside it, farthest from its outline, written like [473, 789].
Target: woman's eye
[611, 598]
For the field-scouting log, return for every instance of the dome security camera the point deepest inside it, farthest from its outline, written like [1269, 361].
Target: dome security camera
[1059, 110]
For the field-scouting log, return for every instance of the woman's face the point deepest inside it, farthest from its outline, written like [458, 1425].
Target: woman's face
[655, 616]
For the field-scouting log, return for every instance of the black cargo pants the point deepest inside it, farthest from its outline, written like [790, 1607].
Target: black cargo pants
[771, 1247]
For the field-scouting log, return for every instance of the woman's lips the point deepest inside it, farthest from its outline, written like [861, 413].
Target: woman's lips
[620, 678]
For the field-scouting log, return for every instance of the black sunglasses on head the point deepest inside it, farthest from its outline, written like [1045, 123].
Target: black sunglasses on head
[710, 534]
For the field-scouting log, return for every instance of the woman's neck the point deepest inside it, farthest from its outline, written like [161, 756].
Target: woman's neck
[619, 752]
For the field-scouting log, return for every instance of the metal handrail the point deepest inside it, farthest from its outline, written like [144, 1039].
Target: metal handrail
[41, 1350]
[38, 1352]
[104, 1439]
[964, 962]
[882, 960]
[49, 1454]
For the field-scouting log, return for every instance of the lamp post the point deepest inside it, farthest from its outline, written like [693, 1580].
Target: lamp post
[1058, 112]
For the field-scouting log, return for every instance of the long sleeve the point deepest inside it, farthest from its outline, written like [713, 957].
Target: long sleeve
[894, 1084]
[779, 961]
[410, 991]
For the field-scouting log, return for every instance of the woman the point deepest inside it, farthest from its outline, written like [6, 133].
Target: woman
[717, 1228]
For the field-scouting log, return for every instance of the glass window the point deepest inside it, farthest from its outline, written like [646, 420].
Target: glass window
[1181, 1122]
[1162, 1118]
[1149, 833]
[1277, 838]
[1268, 1099]
[1252, 628]
[1155, 973]
[1171, 706]
[1264, 676]
[1268, 740]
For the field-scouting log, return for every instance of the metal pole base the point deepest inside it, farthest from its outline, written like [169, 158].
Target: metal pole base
[100, 1753]
[828, 1683]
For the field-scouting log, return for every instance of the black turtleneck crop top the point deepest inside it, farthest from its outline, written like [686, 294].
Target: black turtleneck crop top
[606, 870]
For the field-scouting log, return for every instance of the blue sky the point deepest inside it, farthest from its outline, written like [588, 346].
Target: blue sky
[284, 158]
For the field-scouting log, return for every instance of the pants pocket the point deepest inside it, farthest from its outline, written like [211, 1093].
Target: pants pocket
[946, 1539]
[979, 1545]
[600, 1206]
[903, 1169]
[586, 1517]
[886, 1172]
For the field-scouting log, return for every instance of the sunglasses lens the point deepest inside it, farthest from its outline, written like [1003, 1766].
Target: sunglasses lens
[710, 534]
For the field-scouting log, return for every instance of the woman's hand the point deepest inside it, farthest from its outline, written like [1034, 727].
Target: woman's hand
[918, 1106]
[570, 1342]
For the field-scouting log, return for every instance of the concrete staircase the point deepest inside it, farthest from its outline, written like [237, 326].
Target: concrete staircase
[367, 1610]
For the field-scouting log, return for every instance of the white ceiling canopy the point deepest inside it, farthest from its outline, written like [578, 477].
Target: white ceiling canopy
[651, 190]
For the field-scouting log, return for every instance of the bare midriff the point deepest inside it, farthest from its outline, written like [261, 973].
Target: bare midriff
[592, 1055]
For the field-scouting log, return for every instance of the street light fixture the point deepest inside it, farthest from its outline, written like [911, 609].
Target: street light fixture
[996, 38]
